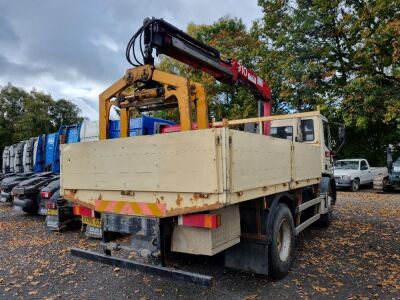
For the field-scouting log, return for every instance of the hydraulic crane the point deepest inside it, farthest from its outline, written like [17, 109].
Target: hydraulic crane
[145, 88]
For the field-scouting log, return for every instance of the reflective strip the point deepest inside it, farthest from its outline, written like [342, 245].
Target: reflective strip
[131, 208]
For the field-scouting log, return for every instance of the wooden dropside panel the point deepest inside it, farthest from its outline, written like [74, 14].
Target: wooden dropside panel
[258, 161]
[175, 162]
[306, 161]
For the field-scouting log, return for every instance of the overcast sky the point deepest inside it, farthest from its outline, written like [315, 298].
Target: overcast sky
[74, 49]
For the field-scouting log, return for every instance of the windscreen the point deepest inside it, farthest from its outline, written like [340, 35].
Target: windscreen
[346, 165]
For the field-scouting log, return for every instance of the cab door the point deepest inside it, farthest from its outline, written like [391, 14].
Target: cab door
[365, 173]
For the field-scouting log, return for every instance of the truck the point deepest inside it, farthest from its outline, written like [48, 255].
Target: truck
[352, 173]
[197, 187]
[391, 179]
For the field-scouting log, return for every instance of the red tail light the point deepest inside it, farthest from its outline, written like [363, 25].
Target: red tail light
[328, 153]
[50, 205]
[45, 195]
[83, 211]
[200, 220]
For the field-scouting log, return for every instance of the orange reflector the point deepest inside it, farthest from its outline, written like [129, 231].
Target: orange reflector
[76, 210]
[200, 220]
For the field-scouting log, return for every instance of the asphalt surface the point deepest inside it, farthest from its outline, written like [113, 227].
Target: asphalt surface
[357, 257]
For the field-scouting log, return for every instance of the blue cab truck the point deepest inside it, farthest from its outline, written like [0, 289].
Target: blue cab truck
[27, 192]
[28, 163]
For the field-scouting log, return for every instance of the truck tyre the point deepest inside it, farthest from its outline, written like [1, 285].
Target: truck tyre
[355, 185]
[282, 246]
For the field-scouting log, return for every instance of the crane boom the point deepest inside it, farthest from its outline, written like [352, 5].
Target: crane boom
[166, 39]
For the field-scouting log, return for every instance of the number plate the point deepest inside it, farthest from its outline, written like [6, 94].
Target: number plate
[52, 212]
[96, 222]
[52, 224]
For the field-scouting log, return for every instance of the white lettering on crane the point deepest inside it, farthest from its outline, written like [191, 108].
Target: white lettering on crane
[242, 70]
[252, 78]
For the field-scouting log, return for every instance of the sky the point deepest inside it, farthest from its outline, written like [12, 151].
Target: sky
[75, 49]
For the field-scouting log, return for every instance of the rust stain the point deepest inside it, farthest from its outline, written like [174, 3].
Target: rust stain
[179, 200]
[193, 209]
[72, 198]
[196, 196]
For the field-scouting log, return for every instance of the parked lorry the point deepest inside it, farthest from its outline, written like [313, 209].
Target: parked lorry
[351, 173]
[26, 193]
[200, 188]
[391, 179]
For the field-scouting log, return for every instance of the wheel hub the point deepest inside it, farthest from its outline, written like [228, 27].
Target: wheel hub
[284, 240]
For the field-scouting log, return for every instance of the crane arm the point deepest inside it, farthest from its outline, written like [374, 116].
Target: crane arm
[166, 39]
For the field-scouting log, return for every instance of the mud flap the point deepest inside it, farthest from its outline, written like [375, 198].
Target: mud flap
[60, 221]
[248, 256]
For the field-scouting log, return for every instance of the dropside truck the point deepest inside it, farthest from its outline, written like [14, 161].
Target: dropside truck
[200, 188]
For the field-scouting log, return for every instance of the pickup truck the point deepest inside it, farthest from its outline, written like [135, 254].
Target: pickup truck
[351, 173]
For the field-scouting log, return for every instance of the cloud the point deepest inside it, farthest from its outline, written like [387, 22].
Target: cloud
[75, 49]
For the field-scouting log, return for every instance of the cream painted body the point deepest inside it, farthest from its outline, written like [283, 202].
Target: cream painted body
[189, 171]
[320, 123]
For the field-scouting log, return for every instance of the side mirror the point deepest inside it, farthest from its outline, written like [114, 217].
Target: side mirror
[342, 134]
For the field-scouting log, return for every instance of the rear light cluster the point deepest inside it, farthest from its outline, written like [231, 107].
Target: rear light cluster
[200, 220]
[50, 205]
[45, 195]
[78, 210]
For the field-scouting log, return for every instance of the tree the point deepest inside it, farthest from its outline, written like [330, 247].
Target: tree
[24, 115]
[342, 55]
[230, 37]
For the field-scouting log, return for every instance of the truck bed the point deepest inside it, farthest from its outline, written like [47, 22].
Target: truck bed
[184, 172]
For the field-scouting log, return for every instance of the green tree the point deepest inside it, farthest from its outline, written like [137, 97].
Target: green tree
[24, 115]
[230, 37]
[341, 55]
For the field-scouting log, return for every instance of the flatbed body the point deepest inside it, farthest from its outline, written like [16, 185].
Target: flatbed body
[184, 172]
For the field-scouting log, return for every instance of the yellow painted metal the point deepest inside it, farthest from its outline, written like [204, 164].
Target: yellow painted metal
[124, 119]
[201, 106]
[269, 118]
[105, 104]
[177, 89]
[181, 93]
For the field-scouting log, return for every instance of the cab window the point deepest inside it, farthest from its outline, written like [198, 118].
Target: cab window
[307, 130]
[282, 132]
[363, 165]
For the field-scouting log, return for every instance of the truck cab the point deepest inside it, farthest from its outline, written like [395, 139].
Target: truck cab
[308, 130]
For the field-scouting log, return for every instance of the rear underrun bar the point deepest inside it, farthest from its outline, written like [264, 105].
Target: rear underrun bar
[190, 277]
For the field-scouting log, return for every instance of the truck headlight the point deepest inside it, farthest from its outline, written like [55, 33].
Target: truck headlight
[346, 177]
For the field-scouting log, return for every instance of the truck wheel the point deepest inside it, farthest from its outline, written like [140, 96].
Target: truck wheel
[281, 248]
[355, 185]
